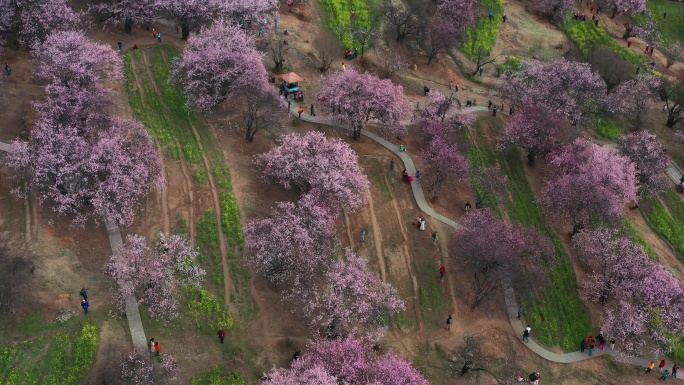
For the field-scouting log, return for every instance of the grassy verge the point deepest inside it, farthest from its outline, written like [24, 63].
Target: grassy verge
[586, 36]
[217, 376]
[338, 18]
[482, 37]
[671, 27]
[636, 238]
[65, 359]
[560, 316]
[206, 311]
[608, 129]
[669, 226]
[208, 242]
[481, 157]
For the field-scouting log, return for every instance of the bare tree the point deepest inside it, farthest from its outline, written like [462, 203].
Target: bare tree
[390, 64]
[279, 47]
[261, 112]
[673, 94]
[400, 18]
[436, 36]
[327, 48]
[610, 65]
[473, 357]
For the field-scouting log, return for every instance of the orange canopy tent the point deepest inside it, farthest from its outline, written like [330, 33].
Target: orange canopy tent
[291, 78]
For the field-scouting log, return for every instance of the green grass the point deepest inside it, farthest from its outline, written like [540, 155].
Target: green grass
[559, 316]
[217, 376]
[608, 129]
[633, 234]
[338, 18]
[61, 359]
[200, 176]
[205, 310]
[586, 36]
[210, 254]
[431, 298]
[481, 157]
[482, 37]
[669, 226]
[671, 28]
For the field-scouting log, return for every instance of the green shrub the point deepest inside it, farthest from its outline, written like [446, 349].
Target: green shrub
[200, 176]
[482, 37]
[511, 66]
[608, 129]
[230, 219]
[206, 312]
[587, 36]
[338, 18]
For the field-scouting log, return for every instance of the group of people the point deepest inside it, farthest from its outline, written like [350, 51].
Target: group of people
[664, 372]
[590, 343]
[153, 346]
[351, 54]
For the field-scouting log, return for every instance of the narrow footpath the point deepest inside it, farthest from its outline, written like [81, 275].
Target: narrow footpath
[509, 295]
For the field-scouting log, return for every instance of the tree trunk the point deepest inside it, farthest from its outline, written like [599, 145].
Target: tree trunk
[128, 26]
[185, 32]
[278, 64]
[671, 120]
[250, 135]
[530, 158]
[430, 57]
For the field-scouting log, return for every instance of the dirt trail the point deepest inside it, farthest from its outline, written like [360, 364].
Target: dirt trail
[164, 198]
[377, 239]
[407, 255]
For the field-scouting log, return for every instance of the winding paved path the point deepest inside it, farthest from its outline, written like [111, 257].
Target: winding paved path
[509, 295]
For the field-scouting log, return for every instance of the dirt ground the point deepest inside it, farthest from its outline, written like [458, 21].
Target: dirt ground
[68, 258]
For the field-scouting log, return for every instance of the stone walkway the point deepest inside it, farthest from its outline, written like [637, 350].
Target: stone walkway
[509, 295]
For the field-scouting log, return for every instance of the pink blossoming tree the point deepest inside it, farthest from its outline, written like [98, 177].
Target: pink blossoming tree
[536, 131]
[650, 160]
[357, 98]
[218, 63]
[568, 88]
[70, 59]
[350, 301]
[294, 245]
[152, 274]
[127, 13]
[39, 18]
[623, 6]
[312, 162]
[443, 161]
[190, 14]
[488, 264]
[347, 361]
[556, 9]
[634, 97]
[592, 184]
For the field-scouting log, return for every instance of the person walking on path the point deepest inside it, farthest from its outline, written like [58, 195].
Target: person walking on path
[526, 335]
[434, 237]
[489, 106]
[665, 375]
[449, 322]
[521, 310]
[120, 44]
[221, 334]
[158, 37]
[661, 366]
[601, 341]
[299, 111]
[422, 224]
[157, 348]
[612, 344]
[451, 84]
[154, 33]
[84, 293]
[8, 70]
[494, 111]
[150, 345]
[313, 112]
[675, 369]
[583, 346]
[85, 305]
[442, 271]
[650, 367]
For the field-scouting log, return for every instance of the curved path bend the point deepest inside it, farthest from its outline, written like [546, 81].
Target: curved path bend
[509, 295]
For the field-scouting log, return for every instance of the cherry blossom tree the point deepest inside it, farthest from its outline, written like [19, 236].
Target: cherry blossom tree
[634, 97]
[312, 162]
[462, 13]
[357, 98]
[350, 301]
[647, 30]
[557, 9]
[261, 111]
[592, 185]
[151, 274]
[294, 244]
[8, 12]
[488, 264]
[440, 108]
[623, 6]
[89, 172]
[128, 13]
[70, 59]
[190, 14]
[248, 13]
[219, 63]
[346, 361]
[673, 93]
[537, 131]
[650, 159]
[38, 18]
[567, 88]
[443, 161]
[139, 370]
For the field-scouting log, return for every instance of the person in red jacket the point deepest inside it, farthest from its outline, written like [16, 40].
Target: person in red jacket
[661, 367]
[442, 271]
[221, 334]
